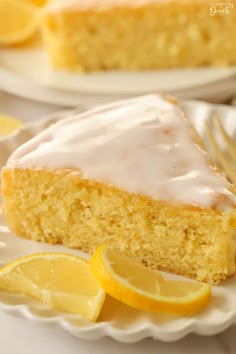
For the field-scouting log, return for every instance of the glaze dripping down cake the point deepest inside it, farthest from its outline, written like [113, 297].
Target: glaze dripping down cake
[88, 35]
[131, 175]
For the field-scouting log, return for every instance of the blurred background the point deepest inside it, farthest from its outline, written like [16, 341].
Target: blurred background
[57, 54]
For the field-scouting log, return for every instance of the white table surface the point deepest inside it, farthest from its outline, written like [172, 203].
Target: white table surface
[21, 336]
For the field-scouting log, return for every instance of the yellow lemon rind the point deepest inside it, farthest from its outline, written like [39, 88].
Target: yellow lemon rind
[115, 287]
[30, 27]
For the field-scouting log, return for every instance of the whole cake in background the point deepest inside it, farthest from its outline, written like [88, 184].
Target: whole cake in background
[131, 175]
[89, 35]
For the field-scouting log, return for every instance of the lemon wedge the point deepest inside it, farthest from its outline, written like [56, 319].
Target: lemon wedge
[18, 21]
[8, 124]
[61, 280]
[145, 289]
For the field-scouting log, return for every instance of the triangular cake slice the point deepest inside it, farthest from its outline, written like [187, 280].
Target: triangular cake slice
[131, 175]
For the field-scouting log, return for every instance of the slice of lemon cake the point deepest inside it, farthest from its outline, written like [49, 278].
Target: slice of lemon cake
[87, 35]
[131, 175]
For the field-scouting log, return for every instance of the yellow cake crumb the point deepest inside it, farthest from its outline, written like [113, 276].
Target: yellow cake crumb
[138, 35]
[61, 207]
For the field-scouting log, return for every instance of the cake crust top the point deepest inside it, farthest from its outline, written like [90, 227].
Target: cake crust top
[62, 5]
[144, 145]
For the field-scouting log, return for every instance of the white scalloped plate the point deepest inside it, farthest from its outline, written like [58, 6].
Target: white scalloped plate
[118, 321]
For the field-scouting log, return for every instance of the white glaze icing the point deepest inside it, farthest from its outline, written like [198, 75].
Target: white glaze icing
[143, 145]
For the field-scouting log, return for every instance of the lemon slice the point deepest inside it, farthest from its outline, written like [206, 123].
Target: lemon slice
[18, 21]
[61, 280]
[145, 289]
[8, 124]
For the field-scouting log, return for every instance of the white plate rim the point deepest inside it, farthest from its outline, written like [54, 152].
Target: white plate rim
[57, 88]
[18, 86]
[112, 82]
[183, 326]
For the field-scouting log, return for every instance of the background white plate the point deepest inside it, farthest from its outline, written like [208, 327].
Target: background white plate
[118, 321]
[27, 72]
